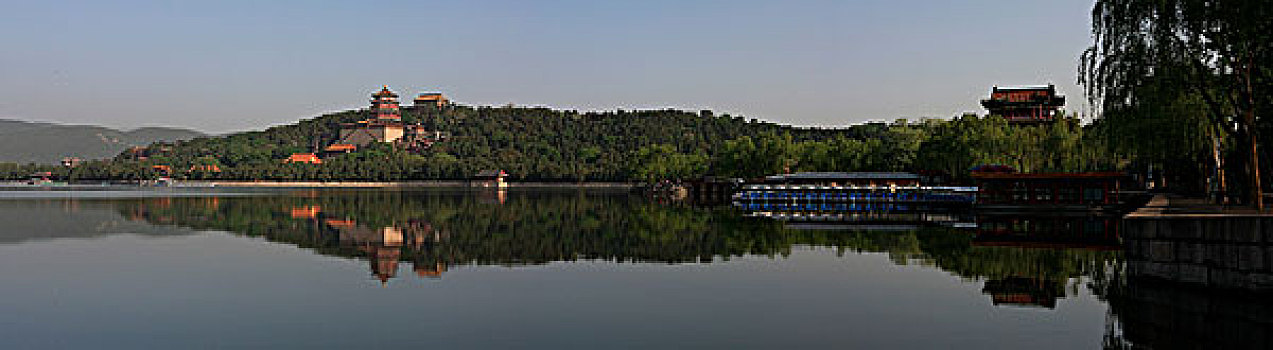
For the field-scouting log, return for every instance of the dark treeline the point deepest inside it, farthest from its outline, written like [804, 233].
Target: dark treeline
[551, 145]
[1182, 86]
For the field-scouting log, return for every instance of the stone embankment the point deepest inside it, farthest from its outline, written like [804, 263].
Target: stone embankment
[1187, 241]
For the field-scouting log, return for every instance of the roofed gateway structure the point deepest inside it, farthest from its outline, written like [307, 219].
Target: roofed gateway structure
[1025, 104]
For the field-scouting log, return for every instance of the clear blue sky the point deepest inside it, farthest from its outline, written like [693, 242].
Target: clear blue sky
[221, 66]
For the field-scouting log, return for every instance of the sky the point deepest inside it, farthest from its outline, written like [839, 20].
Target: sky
[225, 66]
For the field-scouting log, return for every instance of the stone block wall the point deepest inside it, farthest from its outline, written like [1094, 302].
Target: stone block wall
[1208, 250]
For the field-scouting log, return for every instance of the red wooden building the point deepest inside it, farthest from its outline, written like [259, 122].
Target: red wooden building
[308, 158]
[1025, 104]
[1094, 189]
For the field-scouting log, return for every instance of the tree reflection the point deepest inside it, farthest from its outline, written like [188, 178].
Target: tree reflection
[434, 230]
[1023, 261]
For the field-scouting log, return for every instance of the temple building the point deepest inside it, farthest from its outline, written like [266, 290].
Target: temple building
[386, 126]
[308, 158]
[339, 148]
[365, 132]
[431, 99]
[1025, 104]
[384, 104]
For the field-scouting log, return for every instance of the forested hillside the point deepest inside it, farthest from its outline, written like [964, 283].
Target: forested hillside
[541, 144]
[528, 143]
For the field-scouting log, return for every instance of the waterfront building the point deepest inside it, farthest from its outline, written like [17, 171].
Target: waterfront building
[1048, 190]
[1025, 104]
[490, 178]
[431, 99]
[856, 197]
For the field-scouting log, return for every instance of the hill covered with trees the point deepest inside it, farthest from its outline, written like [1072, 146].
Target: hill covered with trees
[542, 144]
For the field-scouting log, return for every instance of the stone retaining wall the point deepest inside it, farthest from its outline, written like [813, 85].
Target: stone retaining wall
[1225, 251]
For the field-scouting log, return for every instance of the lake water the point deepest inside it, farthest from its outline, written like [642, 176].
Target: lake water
[536, 269]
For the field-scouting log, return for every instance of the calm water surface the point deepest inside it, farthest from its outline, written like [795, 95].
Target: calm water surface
[354, 269]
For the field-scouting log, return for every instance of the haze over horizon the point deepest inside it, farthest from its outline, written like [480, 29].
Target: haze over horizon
[241, 65]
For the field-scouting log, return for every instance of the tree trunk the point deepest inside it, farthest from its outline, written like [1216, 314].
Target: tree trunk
[1249, 117]
[1256, 191]
[1223, 193]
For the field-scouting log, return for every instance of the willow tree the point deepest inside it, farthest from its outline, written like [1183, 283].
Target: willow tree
[1216, 50]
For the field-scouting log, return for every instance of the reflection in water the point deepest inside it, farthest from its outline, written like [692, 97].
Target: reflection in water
[383, 246]
[434, 230]
[48, 219]
[1069, 233]
[1094, 232]
[1024, 261]
[1148, 314]
[1024, 291]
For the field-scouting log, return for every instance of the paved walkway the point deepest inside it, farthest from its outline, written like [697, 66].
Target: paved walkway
[1164, 206]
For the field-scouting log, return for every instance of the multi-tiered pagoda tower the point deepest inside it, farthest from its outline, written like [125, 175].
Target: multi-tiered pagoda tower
[384, 104]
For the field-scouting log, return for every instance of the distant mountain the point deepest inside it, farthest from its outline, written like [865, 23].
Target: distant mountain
[35, 142]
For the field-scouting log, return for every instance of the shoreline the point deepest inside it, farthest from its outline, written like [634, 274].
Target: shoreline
[331, 184]
[399, 184]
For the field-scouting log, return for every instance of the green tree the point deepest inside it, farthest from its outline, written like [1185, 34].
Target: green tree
[1145, 51]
